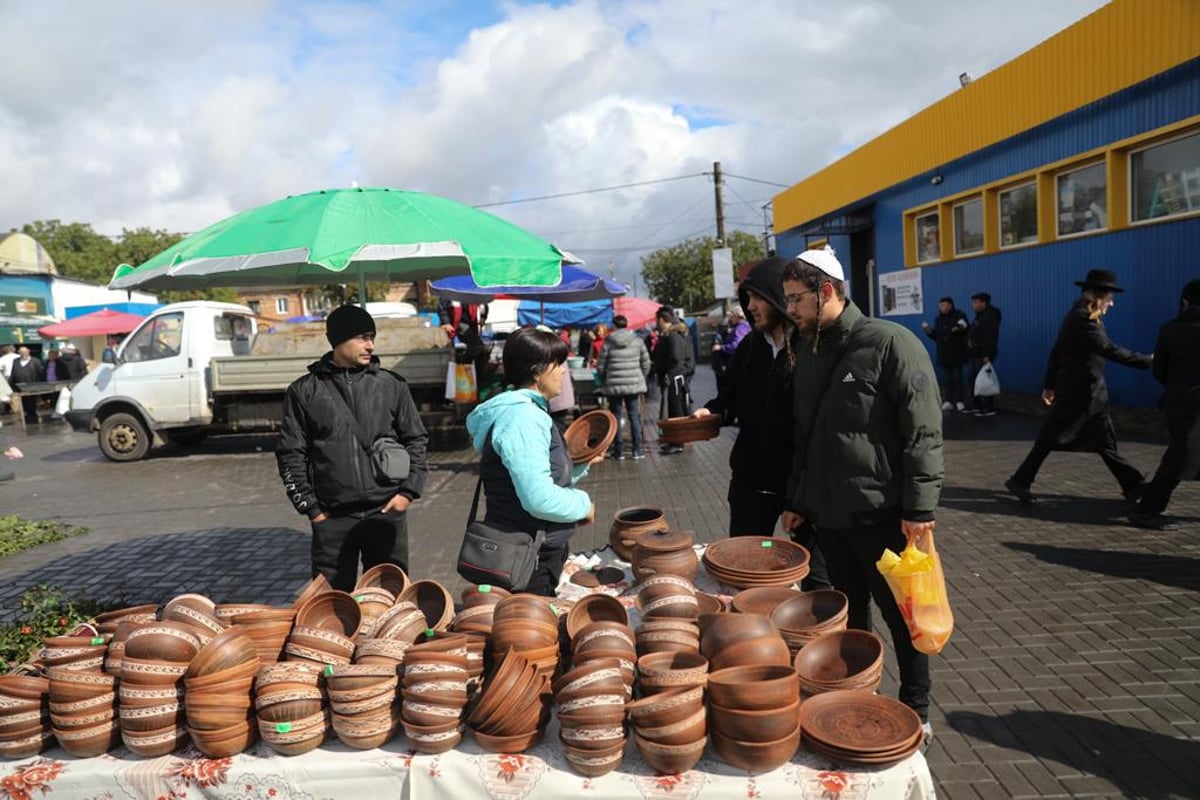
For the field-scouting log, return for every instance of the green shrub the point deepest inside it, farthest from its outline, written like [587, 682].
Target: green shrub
[18, 534]
[45, 611]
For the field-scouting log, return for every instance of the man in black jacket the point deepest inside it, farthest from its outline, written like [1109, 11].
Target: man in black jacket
[755, 392]
[330, 474]
[949, 330]
[1177, 367]
[673, 365]
[983, 345]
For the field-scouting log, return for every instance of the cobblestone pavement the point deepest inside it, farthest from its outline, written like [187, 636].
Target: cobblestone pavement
[1074, 669]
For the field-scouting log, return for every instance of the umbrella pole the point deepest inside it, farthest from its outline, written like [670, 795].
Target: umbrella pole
[362, 289]
[543, 310]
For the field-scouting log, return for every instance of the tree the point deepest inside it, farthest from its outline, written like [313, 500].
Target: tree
[681, 275]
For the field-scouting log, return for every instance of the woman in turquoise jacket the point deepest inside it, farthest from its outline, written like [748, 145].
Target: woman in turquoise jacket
[528, 477]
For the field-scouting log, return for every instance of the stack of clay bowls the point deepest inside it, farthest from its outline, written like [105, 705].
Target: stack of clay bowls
[324, 629]
[434, 691]
[528, 624]
[762, 600]
[665, 553]
[24, 715]
[107, 622]
[630, 524]
[475, 622]
[591, 715]
[667, 635]
[670, 728]
[434, 601]
[754, 714]
[83, 711]
[667, 597]
[267, 627]
[658, 672]
[393, 633]
[511, 712]
[196, 611]
[376, 592]
[750, 561]
[850, 659]
[291, 709]
[860, 728]
[730, 640]
[362, 698]
[75, 652]
[604, 639]
[219, 683]
[802, 619]
[150, 692]
[225, 612]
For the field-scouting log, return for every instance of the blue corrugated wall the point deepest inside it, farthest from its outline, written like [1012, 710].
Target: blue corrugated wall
[1034, 286]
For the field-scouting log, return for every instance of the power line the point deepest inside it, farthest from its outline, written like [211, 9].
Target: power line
[589, 191]
[755, 180]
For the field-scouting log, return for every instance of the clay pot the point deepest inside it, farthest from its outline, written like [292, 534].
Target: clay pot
[630, 524]
[665, 552]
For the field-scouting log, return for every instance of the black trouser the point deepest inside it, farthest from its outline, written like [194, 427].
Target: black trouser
[676, 398]
[979, 402]
[753, 512]
[1128, 476]
[1169, 473]
[850, 555]
[954, 390]
[551, 560]
[338, 541]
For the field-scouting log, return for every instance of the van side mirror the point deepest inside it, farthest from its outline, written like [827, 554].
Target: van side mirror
[109, 356]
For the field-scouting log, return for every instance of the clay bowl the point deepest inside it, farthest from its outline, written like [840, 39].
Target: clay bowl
[225, 742]
[134, 696]
[352, 677]
[849, 659]
[151, 672]
[767, 649]
[91, 741]
[238, 678]
[195, 610]
[17, 725]
[508, 744]
[811, 611]
[285, 672]
[273, 709]
[762, 600]
[434, 601]
[522, 635]
[677, 732]
[659, 671]
[595, 607]
[526, 606]
[420, 712]
[662, 599]
[757, 725]
[372, 603]
[151, 718]
[755, 756]
[109, 620]
[26, 747]
[334, 611]
[591, 736]
[709, 603]
[666, 641]
[433, 739]
[473, 619]
[432, 641]
[603, 635]
[227, 650]
[381, 652]
[402, 622]
[214, 716]
[318, 585]
[594, 763]
[682, 430]
[68, 685]
[719, 631]
[761, 686]
[523, 710]
[667, 759]
[225, 612]
[169, 641]
[322, 639]
[483, 595]
[587, 675]
[389, 577]
[590, 435]
[746, 561]
[630, 524]
[97, 703]
[69, 721]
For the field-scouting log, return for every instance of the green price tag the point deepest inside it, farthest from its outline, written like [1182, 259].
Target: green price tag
[430, 633]
[329, 669]
[97, 640]
[553, 609]
[768, 544]
[485, 588]
[358, 597]
[283, 727]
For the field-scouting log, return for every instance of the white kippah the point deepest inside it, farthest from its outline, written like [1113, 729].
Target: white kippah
[824, 260]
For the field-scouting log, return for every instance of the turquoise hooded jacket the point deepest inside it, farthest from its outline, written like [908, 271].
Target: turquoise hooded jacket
[520, 424]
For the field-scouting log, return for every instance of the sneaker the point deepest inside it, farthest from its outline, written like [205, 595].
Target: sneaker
[1018, 491]
[927, 732]
[638, 455]
[985, 413]
[1152, 521]
[1134, 496]
[960, 406]
[672, 449]
[947, 406]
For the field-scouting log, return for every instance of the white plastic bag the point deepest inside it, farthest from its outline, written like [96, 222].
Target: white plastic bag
[64, 402]
[986, 382]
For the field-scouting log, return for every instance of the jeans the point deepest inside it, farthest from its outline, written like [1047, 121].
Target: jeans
[338, 541]
[850, 555]
[954, 387]
[632, 405]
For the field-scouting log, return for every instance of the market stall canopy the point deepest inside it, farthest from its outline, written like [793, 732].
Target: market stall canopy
[638, 310]
[348, 236]
[97, 323]
[577, 285]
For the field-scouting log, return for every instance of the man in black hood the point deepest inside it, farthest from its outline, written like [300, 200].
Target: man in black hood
[756, 393]
[351, 453]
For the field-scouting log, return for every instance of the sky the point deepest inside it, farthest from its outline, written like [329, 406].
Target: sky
[175, 115]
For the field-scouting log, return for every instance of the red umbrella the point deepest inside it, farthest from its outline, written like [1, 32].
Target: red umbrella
[639, 311]
[97, 323]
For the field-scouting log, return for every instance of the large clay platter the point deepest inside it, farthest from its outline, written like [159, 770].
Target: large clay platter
[857, 722]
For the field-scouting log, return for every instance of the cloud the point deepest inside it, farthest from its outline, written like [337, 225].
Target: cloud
[174, 115]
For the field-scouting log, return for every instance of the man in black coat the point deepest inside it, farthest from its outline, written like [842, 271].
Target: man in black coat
[983, 345]
[1176, 367]
[330, 474]
[673, 366]
[1077, 394]
[27, 369]
[949, 330]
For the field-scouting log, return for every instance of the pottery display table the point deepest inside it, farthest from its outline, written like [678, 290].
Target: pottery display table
[335, 771]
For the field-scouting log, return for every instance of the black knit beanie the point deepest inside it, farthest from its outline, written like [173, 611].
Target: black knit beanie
[346, 322]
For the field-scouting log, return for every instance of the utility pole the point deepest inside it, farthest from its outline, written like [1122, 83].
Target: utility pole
[720, 204]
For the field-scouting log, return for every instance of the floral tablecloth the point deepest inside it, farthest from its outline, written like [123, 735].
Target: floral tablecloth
[394, 771]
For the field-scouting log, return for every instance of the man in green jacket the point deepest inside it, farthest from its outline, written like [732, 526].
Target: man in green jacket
[867, 471]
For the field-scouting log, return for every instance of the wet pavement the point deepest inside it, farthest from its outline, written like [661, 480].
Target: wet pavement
[1074, 669]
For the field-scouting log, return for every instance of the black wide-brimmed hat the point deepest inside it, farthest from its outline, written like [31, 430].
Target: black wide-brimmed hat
[1100, 279]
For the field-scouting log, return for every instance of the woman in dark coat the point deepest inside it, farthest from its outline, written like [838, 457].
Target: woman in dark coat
[1077, 394]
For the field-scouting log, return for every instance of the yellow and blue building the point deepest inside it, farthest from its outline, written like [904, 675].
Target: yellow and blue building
[1083, 152]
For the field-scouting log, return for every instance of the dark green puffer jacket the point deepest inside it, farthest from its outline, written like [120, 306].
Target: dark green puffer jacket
[876, 445]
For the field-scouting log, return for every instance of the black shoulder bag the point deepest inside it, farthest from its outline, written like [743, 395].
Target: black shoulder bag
[506, 559]
[389, 459]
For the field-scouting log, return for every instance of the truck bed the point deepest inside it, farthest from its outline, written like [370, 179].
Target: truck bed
[424, 368]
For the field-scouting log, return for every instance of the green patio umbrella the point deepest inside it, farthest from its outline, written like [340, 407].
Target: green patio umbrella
[347, 236]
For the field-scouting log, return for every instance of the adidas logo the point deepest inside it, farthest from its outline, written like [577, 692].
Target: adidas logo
[848, 379]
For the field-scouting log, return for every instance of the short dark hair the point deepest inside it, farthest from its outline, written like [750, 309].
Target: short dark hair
[665, 312]
[619, 321]
[1191, 293]
[983, 296]
[812, 277]
[949, 300]
[529, 352]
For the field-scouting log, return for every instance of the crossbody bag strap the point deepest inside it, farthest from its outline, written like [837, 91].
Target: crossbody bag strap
[479, 483]
[360, 433]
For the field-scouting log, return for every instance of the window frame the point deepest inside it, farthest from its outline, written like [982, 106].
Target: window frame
[1058, 175]
[976, 198]
[284, 301]
[916, 218]
[1131, 192]
[1000, 193]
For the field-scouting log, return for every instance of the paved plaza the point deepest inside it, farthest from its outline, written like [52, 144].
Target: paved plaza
[1074, 669]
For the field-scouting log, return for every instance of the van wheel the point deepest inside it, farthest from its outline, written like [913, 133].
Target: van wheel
[123, 437]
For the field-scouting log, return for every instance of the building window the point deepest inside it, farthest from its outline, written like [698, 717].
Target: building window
[929, 245]
[968, 227]
[255, 306]
[1082, 201]
[1166, 179]
[281, 305]
[1018, 215]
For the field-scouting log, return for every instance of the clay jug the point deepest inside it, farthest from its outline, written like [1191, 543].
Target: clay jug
[665, 553]
[630, 524]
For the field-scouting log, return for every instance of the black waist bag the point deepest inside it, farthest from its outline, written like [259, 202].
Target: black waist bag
[506, 559]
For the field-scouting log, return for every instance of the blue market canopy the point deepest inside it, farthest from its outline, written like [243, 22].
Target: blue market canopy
[577, 285]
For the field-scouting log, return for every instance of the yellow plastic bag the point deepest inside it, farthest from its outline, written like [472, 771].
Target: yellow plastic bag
[916, 579]
[464, 383]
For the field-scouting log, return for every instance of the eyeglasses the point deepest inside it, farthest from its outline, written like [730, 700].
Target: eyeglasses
[794, 299]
